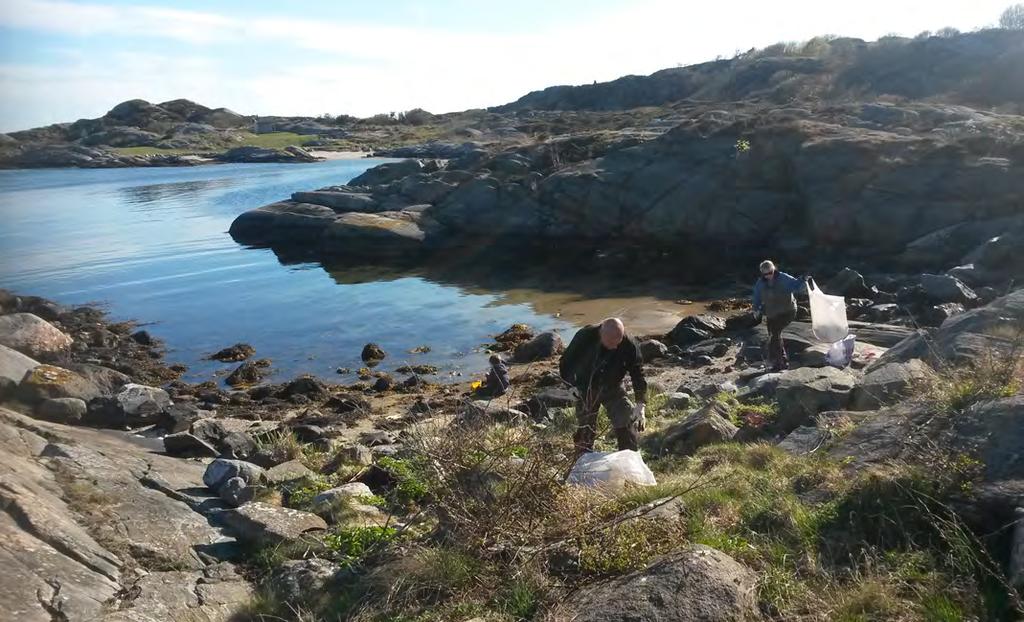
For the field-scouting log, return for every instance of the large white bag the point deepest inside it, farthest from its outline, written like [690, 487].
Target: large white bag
[601, 469]
[828, 315]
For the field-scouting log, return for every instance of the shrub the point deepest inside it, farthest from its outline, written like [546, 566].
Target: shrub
[351, 544]
[280, 446]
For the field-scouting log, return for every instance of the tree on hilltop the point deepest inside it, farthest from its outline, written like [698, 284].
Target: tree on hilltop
[1012, 18]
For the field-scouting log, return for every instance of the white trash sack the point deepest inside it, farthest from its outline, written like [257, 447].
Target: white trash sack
[828, 315]
[613, 470]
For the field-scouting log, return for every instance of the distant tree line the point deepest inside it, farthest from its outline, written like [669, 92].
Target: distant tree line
[416, 116]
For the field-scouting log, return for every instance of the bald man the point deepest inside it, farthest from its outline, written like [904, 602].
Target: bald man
[595, 363]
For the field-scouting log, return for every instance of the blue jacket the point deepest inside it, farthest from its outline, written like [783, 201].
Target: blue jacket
[769, 300]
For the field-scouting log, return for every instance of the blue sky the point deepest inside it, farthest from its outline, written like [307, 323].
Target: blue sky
[62, 60]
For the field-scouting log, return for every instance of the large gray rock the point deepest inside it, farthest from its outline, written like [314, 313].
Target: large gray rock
[31, 335]
[805, 392]
[289, 471]
[222, 469]
[965, 337]
[47, 381]
[704, 427]
[69, 410]
[388, 172]
[141, 404]
[185, 445]
[347, 491]
[890, 383]
[262, 523]
[941, 288]
[543, 346]
[384, 233]
[698, 584]
[107, 381]
[14, 365]
[298, 582]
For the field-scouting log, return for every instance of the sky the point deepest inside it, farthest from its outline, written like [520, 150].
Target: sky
[62, 60]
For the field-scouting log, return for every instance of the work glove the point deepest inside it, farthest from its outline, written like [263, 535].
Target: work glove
[757, 316]
[640, 416]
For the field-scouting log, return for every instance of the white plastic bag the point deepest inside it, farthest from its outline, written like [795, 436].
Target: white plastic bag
[601, 469]
[828, 315]
[840, 353]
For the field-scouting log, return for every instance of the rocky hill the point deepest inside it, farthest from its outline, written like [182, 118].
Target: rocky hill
[983, 69]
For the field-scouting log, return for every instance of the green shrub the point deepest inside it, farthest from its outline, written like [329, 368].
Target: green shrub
[351, 544]
[410, 484]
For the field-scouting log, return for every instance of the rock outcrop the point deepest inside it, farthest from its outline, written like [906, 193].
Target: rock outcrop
[698, 583]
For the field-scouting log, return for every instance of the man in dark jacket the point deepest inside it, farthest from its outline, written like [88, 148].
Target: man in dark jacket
[595, 364]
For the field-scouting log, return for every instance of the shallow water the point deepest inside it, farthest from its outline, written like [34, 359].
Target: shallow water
[152, 245]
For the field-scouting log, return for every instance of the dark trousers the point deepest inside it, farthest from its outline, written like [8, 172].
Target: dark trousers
[620, 411]
[776, 348]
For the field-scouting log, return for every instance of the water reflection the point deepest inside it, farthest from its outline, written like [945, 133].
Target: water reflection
[177, 191]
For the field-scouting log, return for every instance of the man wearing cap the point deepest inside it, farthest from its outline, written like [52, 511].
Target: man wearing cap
[595, 364]
[774, 301]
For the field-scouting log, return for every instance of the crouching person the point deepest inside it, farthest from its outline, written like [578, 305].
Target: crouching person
[497, 381]
[595, 364]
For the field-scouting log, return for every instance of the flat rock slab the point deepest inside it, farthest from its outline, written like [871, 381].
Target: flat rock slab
[78, 503]
[263, 523]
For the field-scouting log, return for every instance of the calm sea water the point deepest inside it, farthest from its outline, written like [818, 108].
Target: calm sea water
[152, 245]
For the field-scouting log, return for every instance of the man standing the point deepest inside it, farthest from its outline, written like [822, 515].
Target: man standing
[595, 363]
[773, 300]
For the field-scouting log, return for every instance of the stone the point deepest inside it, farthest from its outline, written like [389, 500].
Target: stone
[696, 584]
[652, 350]
[742, 321]
[14, 365]
[264, 524]
[377, 437]
[31, 335]
[543, 346]
[704, 427]
[883, 312]
[495, 410]
[963, 338]
[285, 472]
[679, 400]
[850, 284]
[185, 445]
[236, 492]
[941, 288]
[356, 454]
[708, 323]
[300, 582]
[180, 416]
[248, 373]
[107, 381]
[306, 433]
[383, 383]
[143, 337]
[222, 469]
[938, 314]
[344, 404]
[141, 404]
[354, 489]
[686, 335]
[805, 392]
[372, 352]
[67, 410]
[233, 354]
[48, 381]
[889, 384]
[309, 386]
[804, 440]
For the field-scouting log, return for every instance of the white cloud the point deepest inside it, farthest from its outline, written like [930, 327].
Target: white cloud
[364, 68]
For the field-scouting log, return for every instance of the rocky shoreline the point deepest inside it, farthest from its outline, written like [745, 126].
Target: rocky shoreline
[256, 446]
